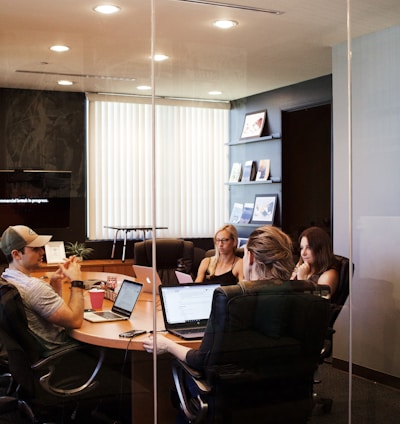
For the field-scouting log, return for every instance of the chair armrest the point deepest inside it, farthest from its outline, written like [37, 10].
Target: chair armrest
[191, 403]
[197, 377]
[322, 290]
[47, 364]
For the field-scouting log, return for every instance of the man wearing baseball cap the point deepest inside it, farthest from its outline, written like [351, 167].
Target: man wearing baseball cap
[47, 313]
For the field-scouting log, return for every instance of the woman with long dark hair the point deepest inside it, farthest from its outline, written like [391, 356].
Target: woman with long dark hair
[317, 261]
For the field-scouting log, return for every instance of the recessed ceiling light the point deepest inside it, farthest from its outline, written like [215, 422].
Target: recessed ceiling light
[225, 23]
[107, 9]
[65, 82]
[143, 87]
[59, 48]
[214, 93]
[160, 57]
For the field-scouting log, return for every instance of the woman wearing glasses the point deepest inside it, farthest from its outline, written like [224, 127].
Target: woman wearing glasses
[225, 267]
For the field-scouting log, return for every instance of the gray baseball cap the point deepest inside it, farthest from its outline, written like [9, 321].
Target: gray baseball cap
[19, 236]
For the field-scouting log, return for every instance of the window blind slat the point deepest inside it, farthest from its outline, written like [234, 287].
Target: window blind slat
[191, 167]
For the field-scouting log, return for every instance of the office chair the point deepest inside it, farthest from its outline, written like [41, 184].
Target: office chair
[171, 254]
[337, 302]
[198, 256]
[260, 349]
[211, 252]
[45, 382]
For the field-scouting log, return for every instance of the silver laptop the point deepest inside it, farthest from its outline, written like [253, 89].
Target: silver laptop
[144, 274]
[186, 308]
[123, 306]
[183, 278]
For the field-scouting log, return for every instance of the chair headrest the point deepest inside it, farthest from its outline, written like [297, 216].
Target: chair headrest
[267, 286]
[239, 252]
[168, 252]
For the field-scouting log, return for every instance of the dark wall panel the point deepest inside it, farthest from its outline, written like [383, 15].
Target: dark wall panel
[295, 97]
[46, 130]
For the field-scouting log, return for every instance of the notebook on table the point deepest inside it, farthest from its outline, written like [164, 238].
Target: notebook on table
[183, 278]
[123, 305]
[144, 274]
[186, 308]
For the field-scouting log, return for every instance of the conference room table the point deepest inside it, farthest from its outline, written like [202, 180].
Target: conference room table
[106, 335]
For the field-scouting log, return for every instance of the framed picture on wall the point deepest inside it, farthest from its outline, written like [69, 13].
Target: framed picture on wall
[241, 242]
[253, 124]
[264, 209]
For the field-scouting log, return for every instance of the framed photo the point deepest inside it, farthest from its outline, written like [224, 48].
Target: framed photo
[55, 252]
[241, 242]
[264, 209]
[253, 124]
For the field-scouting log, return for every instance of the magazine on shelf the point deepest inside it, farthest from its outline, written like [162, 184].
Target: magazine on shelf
[236, 213]
[263, 170]
[247, 213]
[236, 172]
[249, 171]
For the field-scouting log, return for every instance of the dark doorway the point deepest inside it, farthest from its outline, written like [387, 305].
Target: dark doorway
[306, 169]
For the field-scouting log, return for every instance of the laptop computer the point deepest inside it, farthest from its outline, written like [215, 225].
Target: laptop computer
[144, 274]
[186, 308]
[183, 278]
[123, 306]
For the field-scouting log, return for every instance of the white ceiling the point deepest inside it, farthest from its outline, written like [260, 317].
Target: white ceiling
[263, 52]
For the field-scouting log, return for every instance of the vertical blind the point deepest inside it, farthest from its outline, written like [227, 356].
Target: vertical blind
[191, 161]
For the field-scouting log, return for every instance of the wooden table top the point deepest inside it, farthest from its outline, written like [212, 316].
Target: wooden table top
[106, 334]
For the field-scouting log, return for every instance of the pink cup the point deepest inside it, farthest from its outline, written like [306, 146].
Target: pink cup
[96, 298]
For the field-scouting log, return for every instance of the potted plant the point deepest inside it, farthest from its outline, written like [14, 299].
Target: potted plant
[78, 249]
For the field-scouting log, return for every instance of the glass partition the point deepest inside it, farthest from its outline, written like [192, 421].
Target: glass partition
[244, 65]
[343, 48]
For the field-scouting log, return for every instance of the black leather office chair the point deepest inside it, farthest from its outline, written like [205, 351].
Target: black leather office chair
[211, 252]
[338, 300]
[45, 382]
[171, 254]
[261, 348]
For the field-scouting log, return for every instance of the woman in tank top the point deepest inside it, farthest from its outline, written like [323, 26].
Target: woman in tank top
[225, 267]
[317, 261]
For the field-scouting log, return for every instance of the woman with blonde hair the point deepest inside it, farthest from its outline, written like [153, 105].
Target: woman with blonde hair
[267, 256]
[225, 267]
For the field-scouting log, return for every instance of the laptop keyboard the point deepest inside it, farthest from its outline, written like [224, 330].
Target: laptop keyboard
[192, 331]
[106, 314]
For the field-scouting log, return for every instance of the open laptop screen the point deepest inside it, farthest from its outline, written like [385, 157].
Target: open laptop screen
[127, 296]
[187, 303]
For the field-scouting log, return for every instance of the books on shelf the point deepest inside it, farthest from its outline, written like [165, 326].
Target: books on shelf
[236, 214]
[247, 213]
[249, 171]
[236, 172]
[263, 170]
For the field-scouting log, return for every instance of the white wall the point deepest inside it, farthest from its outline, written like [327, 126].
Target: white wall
[375, 223]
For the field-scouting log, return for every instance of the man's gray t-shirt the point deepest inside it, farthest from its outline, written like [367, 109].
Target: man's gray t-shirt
[40, 302]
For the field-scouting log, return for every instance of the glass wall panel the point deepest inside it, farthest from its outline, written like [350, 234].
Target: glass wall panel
[372, 308]
[232, 59]
[246, 66]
